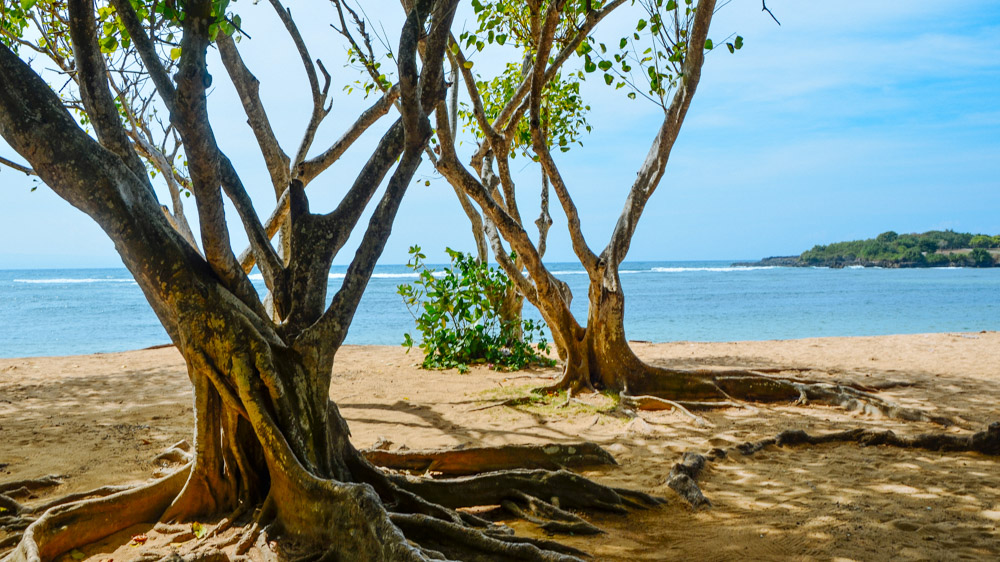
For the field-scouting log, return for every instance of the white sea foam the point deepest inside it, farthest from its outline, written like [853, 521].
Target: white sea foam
[622, 272]
[259, 277]
[723, 269]
[70, 280]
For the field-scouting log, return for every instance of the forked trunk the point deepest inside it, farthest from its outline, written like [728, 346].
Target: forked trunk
[599, 355]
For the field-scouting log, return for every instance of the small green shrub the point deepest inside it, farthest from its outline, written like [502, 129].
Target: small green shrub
[457, 313]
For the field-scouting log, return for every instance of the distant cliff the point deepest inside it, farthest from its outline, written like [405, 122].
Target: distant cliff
[937, 248]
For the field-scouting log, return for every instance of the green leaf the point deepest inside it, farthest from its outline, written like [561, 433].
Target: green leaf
[28, 4]
[708, 44]
[76, 554]
[198, 529]
[604, 65]
[175, 53]
[109, 44]
[608, 79]
[739, 42]
[467, 64]
[623, 42]
[671, 5]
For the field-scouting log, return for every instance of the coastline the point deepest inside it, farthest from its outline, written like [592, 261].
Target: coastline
[100, 419]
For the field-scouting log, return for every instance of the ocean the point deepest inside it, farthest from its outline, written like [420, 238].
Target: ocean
[77, 311]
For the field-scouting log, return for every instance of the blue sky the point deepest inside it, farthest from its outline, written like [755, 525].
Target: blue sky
[849, 119]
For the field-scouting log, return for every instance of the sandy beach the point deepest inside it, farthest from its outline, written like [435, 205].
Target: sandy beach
[101, 419]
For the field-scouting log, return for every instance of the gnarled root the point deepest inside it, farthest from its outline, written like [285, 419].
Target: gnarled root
[683, 479]
[986, 442]
[379, 516]
[706, 389]
[440, 539]
[561, 488]
[16, 517]
[21, 488]
[683, 475]
[70, 525]
[475, 460]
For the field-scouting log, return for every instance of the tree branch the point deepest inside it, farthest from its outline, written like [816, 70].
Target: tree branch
[416, 92]
[319, 94]
[653, 167]
[190, 115]
[92, 76]
[540, 145]
[505, 114]
[309, 169]
[27, 170]
[764, 8]
[147, 51]
[248, 87]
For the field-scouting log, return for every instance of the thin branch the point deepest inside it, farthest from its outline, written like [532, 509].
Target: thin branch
[649, 175]
[414, 92]
[266, 257]
[319, 93]
[248, 88]
[19, 167]
[147, 51]
[505, 114]
[309, 169]
[764, 8]
[540, 145]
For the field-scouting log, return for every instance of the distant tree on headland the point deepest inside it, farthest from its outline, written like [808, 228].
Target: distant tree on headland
[936, 248]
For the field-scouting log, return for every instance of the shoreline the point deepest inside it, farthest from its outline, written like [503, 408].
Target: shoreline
[957, 333]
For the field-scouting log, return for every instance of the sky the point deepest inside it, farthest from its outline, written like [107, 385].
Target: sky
[849, 119]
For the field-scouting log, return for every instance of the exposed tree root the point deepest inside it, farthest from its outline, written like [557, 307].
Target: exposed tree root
[179, 453]
[683, 476]
[562, 489]
[659, 388]
[549, 517]
[68, 526]
[461, 543]
[986, 442]
[475, 460]
[22, 488]
[420, 521]
[15, 516]
[633, 403]
[683, 479]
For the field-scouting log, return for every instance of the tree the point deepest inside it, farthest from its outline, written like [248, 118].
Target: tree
[981, 241]
[661, 61]
[268, 441]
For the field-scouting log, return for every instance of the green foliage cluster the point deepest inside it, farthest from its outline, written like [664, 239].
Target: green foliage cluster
[889, 249]
[50, 16]
[649, 60]
[457, 313]
[563, 112]
[646, 62]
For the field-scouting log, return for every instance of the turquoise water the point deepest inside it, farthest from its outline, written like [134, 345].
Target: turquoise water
[64, 312]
